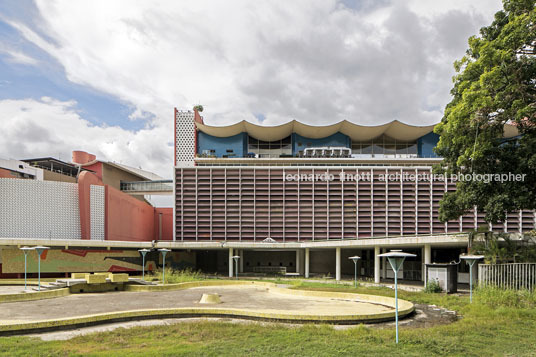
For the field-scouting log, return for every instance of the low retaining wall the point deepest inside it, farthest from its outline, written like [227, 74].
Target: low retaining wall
[38, 295]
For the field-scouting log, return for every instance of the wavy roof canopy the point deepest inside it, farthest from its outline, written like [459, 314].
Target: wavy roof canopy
[395, 129]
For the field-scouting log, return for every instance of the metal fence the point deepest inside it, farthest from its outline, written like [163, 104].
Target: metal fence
[508, 276]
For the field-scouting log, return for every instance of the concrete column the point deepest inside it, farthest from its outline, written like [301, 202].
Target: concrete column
[384, 264]
[241, 261]
[376, 264]
[427, 259]
[338, 264]
[306, 262]
[298, 261]
[231, 263]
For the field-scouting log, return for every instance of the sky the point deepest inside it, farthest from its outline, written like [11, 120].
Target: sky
[104, 76]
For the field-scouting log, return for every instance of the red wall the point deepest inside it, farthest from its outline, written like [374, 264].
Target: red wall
[6, 174]
[128, 219]
[167, 223]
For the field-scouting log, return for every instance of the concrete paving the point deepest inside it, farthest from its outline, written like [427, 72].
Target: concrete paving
[15, 289]
[249, 298]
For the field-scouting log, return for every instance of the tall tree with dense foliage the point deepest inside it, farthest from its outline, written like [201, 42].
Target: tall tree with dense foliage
[495, 84]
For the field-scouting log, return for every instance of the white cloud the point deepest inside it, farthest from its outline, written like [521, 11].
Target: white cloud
[312, 60]
[18, 56]
[48, 127]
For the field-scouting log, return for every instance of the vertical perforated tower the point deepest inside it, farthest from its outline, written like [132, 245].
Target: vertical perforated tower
[185, 144]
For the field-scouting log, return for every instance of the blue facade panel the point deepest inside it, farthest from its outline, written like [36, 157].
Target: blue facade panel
[426, 144]
[232, 146]
[299, 143]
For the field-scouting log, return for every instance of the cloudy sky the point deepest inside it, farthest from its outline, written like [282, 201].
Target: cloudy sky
[104, 76]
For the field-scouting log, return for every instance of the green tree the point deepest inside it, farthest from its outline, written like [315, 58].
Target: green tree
[495, 84]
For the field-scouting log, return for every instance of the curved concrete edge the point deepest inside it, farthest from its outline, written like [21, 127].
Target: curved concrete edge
[193, 284]
[38, 295]
[18, 328]
[404, 307]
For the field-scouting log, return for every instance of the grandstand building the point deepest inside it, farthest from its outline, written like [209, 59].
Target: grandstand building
[300, 198]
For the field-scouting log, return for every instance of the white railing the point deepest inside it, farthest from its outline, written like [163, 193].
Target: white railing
[508, 276]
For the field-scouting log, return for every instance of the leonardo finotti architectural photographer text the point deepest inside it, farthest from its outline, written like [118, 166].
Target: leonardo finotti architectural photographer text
[406, 176]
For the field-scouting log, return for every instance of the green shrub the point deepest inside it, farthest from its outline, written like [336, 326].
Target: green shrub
[177, 276]
[433, 287]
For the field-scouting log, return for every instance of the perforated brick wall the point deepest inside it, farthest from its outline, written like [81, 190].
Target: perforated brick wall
[185, 139]
[96, 194]
[39, 209]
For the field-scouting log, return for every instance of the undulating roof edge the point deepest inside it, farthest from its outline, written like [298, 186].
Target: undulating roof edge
[395, 129]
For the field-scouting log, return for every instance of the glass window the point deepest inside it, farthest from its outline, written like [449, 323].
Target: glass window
[389, 149]
[377, 149]
[366, 148]
[401, 149]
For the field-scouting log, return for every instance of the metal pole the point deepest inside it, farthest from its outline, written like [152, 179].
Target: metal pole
[355, 274]
[396, 303]
[471, 281]
[164, 268]
[25, 255]
[143, 267]
[39, 270]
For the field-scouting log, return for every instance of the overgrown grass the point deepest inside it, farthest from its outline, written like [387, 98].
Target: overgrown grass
[495, 297]
[176, 276]
[491, 326]
[432, 287]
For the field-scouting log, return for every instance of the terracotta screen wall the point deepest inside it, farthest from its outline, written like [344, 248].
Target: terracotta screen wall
[253, 203]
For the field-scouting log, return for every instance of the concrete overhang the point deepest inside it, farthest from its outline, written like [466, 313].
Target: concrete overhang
[441, 240]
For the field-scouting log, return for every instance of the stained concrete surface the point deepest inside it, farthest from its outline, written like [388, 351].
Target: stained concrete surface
[239, 297]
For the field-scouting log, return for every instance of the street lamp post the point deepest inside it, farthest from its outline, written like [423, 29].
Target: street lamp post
[355, 258]
[164, 251]
[25, 250]
[471, 260]
[396, 259]
[235, 258]
[39, 250]
[143, 252]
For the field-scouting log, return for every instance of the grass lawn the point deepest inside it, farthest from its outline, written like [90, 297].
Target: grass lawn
[496, 324]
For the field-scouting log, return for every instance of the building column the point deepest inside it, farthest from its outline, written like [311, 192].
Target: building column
[376, 264]
[384, 265]
[338, 264]
[231, 263]
[241, 261]
[298, 261]
[427, 258]
[307, 262]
